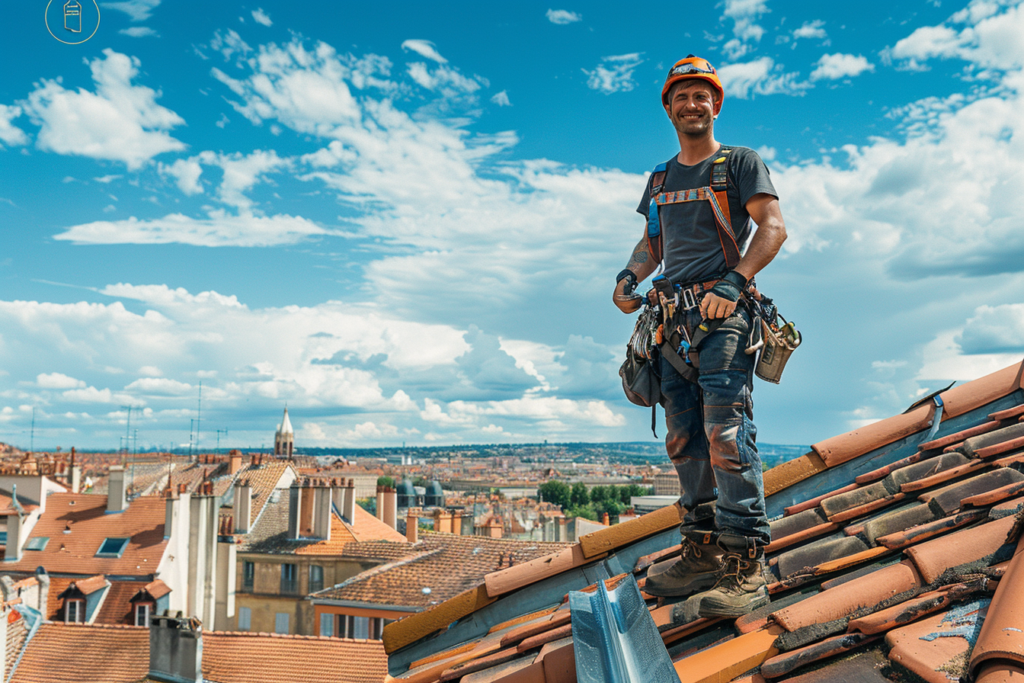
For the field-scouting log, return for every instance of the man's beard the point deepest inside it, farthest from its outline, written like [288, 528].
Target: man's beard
[695, 128]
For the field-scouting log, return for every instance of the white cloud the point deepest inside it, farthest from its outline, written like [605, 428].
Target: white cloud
[159, 386]
[444, 79]
[93, 395]
[138, 10]
[217, 230]
[761, 77]
[990, 40]
[106, 179]
[614, 74]
[186, 173]
[56, 380]
[810, 29]
[120, 121]
[424, 48]
[501, 99]
[10, 134]
[746, 30]
[836, 66]
[242, 172]
[138, 32]
[562, 17]
[261, 17]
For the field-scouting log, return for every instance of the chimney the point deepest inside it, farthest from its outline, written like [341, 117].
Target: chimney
[15, 529]
[456, 522]
[294, 500]
[390, 507]
[235, 460]
[380, 503]
[349, 511]
[338, 491]
[242, 508]
[445, 519]
[605, 520]
[412, 526]
[176, 650]
[116, 490]
[322, 510]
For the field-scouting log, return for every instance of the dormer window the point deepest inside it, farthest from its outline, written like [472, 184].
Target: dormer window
[37, 543]
[142, 613]
[112, 547]
[74, 611]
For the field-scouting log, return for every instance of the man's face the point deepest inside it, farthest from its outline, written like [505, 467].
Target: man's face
[692, 107]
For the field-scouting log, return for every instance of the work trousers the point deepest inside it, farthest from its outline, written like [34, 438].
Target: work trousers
[711, 435]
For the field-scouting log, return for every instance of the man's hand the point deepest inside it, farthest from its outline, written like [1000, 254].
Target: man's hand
[714, 306]
[625, 303]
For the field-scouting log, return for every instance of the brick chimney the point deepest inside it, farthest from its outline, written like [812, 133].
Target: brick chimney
[349, 511]
[322, 509]
[390, 507]
[605, 520]
[75, 475]
[16, 532]
[412, 526]
[116, 490]
[235, 462]
[176, 650]
[456, 522]
[242, 507]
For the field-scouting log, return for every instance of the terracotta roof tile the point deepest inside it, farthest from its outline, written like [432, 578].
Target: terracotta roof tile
[237, 657]
[85, 516]
[1002, 634]
[89, 653]
[117, 606]
[932, 558]
[934, 648]
[16, 633]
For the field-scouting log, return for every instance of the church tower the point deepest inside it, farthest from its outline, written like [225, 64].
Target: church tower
[284, 438]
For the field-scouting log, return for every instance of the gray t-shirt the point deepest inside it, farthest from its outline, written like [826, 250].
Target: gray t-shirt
[690, 242]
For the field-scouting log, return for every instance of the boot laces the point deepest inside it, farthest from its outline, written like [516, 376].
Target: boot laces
[734, 572]
[691, 548]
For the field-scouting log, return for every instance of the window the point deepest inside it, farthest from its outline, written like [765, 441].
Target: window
[289, 580]
[112, 547]
[361, 628]
[327, 625]
[3, 537]
[376, 629]
[281, 623]
[74, 612]
[244, 618]
[316, 578]
[142, 611]
[248, 575]
[37, 543]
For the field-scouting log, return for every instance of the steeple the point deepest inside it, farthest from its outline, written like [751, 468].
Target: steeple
[284, 438]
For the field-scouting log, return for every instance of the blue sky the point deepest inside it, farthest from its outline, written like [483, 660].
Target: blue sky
[405, 223]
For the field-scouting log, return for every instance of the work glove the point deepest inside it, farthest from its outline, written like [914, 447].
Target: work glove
[730, 287]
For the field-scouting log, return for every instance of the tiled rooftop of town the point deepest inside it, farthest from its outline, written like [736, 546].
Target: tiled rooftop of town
[894, 545]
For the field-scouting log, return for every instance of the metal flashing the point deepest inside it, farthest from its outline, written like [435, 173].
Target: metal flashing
[615, 638]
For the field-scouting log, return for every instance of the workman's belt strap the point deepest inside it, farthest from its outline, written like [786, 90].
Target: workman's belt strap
[685, 370]
[719, 206]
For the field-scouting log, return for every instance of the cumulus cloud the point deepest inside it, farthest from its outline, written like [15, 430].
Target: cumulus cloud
[424, 48]
[563, 17]
[10, 134]
[253, 360]
[810, 29]
[501, 99]
[138, 32]
[218, 229]
[990, 39]
[744, 15]
[614, 73]
[261, 17]
[138, 10]
[836, 66]
[759, 77]
[119, 121]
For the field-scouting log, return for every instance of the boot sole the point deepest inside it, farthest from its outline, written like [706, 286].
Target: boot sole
[709, 607]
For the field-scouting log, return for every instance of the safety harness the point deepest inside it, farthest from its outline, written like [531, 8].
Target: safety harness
[715, 193]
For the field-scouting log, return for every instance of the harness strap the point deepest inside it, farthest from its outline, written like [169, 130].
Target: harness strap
[653, 221]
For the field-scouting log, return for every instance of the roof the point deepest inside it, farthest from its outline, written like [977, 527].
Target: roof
[234, 657]
[78, 523]
[120, 654]
[286, 424]
[90, 654]
[441, 567]
[270, 535]
[885, 547]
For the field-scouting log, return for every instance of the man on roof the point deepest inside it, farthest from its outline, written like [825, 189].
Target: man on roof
[698, 236]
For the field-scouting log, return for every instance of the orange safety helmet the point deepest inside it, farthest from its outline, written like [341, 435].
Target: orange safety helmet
[692, 67]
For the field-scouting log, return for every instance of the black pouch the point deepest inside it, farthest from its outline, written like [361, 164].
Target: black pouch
[641, 379]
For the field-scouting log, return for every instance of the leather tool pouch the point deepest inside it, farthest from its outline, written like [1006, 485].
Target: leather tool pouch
[779, 345]
[640, 372]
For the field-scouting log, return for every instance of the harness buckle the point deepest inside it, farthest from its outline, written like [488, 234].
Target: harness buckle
[689, 298]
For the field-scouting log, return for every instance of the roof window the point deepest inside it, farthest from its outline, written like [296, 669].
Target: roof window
[37, 543]
[112, 547]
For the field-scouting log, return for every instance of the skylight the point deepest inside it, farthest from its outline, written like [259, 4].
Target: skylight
[37, 543]
[112, 547]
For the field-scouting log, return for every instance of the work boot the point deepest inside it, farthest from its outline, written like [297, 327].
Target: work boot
[740, 588]
[696, 570]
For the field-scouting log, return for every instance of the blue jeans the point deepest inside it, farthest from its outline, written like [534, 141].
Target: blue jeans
[711, 435]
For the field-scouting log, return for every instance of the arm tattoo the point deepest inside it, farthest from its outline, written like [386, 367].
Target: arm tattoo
[640, 255]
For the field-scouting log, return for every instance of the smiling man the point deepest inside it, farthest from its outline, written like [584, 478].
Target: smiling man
[699, 206]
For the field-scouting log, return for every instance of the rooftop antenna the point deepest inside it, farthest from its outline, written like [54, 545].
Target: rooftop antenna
[199, 414]
[127, 431]
[219, 432]
[32, 433]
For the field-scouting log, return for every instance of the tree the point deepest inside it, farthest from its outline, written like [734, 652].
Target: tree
[584, 511]
[385, 480]
[421, 481]
[556, 492]
[579, 495]
[598, 494]
[368, 504]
